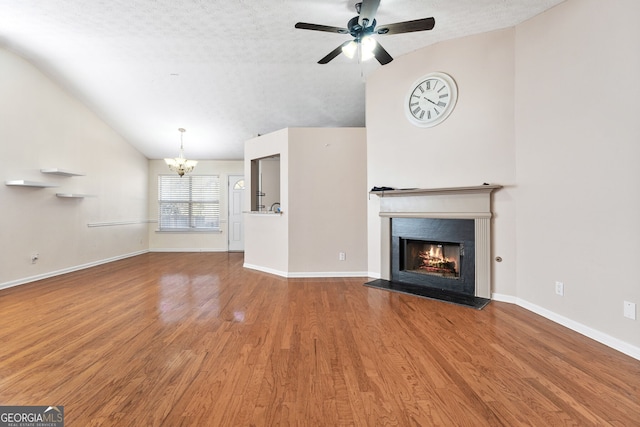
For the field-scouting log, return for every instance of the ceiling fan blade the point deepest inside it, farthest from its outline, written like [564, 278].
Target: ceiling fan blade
[423, 24]
[381, 54]
[368, 10]
[316, 27]
[335, 52]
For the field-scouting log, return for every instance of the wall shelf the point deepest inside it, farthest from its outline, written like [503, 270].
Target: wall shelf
[73, 195]
[62, 172]
[25, 183]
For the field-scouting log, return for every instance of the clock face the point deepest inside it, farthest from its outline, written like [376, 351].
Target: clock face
[431, 99]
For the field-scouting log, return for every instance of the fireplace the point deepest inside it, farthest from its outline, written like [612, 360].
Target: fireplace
[456, 218]
[435, 253]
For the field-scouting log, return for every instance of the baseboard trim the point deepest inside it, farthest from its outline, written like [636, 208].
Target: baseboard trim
[328, 274]
[307, 274]
[615, 343]
[265, 269]
[504, 298]
[30, 279]
[187, 250]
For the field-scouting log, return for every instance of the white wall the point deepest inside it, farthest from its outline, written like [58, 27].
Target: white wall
[327, 201]
[42, 126]
[323, 199]
[192, 241]
[578, 148]
[266, 241]
[548, 109]
[474, 145]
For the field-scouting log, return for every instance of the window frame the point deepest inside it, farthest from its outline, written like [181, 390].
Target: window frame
[191, 200]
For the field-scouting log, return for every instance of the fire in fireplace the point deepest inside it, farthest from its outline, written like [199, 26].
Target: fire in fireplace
[434, 258]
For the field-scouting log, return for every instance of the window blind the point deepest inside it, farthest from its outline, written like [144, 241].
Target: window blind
[189, 203]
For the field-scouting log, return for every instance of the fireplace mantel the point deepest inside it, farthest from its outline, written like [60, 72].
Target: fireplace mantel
[434, 191]
[445, 203]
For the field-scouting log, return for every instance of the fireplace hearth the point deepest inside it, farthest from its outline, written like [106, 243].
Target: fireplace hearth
[430, 293]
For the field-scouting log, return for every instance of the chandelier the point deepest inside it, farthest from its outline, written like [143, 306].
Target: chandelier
[180, 165]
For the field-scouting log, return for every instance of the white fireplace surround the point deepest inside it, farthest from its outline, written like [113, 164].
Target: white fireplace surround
[444, 203]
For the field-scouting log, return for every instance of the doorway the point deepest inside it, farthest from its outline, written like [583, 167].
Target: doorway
[236, 217]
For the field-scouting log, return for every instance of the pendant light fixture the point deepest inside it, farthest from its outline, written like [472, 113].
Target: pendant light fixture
[180, 165]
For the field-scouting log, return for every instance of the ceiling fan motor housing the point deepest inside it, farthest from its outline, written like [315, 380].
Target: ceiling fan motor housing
[358, 31]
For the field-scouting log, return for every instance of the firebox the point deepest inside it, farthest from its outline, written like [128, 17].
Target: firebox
[433, 252]
[441, 259]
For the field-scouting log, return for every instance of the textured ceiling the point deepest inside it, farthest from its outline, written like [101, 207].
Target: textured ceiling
[226, 70]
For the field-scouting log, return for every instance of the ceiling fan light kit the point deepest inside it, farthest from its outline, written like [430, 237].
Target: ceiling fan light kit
[361, 28]
[180, 165]
[366, 46]
[349, 49]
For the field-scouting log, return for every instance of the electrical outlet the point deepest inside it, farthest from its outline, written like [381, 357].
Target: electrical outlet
[560, 288]
[34, 257]
[630, 310]
[342, 256]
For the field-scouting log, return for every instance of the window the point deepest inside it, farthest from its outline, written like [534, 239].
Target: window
[189, 203]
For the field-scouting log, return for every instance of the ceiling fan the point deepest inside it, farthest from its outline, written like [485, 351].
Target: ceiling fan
[362, 27]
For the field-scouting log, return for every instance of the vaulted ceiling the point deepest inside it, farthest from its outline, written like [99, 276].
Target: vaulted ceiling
[226, 70]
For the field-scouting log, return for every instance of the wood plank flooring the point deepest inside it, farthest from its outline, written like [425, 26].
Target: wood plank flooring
[193, 339]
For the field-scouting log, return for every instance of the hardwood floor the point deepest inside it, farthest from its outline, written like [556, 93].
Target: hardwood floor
[196, 340]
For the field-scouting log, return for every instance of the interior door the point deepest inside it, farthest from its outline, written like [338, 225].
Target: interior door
[236, 207]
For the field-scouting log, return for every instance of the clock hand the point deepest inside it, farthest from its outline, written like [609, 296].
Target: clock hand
[429, 100]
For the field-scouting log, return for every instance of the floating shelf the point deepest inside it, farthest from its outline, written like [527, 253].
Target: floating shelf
[73, 195]
[63, 172]
[25, 183]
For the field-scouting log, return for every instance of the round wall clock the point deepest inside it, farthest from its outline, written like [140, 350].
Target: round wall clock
[431, 99]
